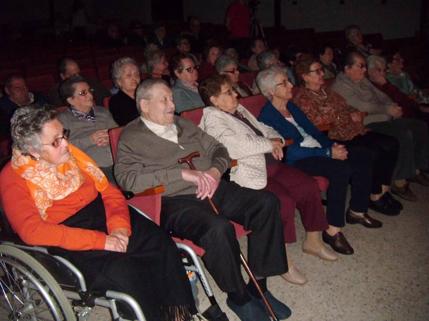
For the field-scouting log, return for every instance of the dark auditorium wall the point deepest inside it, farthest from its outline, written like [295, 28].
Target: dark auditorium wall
[394, 18]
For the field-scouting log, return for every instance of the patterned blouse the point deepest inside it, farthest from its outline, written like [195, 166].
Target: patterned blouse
[326, 107]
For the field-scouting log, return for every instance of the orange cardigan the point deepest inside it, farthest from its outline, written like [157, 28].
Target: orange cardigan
[25, 219]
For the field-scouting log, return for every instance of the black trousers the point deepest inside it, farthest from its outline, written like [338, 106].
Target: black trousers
[187, 217]
[413, 138]
[151, 270]
[384, 154]
[355, 170]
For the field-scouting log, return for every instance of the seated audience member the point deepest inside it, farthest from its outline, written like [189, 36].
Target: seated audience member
[54, 195]
[225, 65]
[385, 117]
[159, 37]
[316, 155]
[326, 57]
[210, 55]
[256, 146]
[233, 53]
[401, 79]
[322, 106]
[68, 67]
[185, 88]
[136, 36]
[355, 42]
[156, 65]
[184, 47]
[377, 75]
[148, 154]
[125, 76]
[87, 123]
[258, 46]
[269, 58]
[113, 37]
[16, 95]
[194, 34]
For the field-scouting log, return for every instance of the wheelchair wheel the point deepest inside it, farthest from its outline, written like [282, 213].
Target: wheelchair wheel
[28, 291]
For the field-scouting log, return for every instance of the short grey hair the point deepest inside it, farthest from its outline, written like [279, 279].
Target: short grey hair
[144, 90]
[26, 126]
[374, 61]
[153, 57]
[118, 65]
[224, 61]
[264, 59]
[266, 80]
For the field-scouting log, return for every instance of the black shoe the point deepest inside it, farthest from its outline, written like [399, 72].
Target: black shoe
[280, 309]
[384, 206]
[338, 242]
[364, 219]
[249, 311]
[393, 201]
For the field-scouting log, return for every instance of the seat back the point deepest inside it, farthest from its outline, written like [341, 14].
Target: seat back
[253, 104]
[193, 115]
[248, 77]
[106, 102]
[114, 135]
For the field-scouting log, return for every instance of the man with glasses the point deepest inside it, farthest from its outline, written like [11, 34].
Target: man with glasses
[148, 153]
[88, 124]
[17, 95]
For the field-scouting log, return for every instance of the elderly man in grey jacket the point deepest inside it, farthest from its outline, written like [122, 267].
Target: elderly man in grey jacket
[385, 117]
[148, 153]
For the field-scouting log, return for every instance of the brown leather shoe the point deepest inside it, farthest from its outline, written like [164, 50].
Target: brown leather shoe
[338, 242]
[365, 220]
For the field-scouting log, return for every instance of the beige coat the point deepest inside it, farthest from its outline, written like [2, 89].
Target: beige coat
[242, 144]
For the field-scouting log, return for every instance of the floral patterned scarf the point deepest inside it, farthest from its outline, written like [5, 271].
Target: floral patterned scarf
[48, 183]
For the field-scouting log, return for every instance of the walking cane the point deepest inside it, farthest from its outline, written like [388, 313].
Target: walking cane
[188, 160]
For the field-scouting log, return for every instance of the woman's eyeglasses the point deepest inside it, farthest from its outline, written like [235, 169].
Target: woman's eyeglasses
[318, 71]
[191, 69]
[85, 92]
[57, 141]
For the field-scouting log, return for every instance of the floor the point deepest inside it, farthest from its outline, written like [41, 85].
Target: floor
[387, 279]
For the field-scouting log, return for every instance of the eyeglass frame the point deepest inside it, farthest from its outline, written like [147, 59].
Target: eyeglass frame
[58, 140]
[84, 92]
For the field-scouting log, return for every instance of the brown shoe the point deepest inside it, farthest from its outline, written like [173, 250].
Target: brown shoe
[338, 242]
[404, 192]
[364, 219]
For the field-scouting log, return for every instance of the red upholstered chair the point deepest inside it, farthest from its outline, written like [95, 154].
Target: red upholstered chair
[253, 104]
[248, 78]
[106, 102]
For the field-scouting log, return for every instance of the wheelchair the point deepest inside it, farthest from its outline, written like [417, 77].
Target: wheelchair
[35, 285]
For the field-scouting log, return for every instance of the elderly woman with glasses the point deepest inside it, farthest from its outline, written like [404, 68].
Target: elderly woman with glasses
[125, 76]
[322, 106]
[258, 150]
[87, 123]
[185, 88]
[385, 117]
[54, 195]
[225, 65]
[316, 155]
